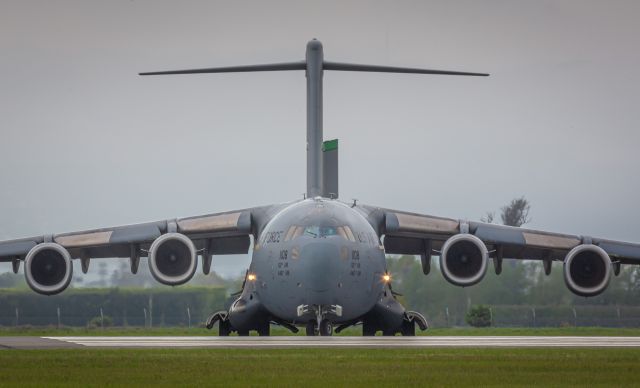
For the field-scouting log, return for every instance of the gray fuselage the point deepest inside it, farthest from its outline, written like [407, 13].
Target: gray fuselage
[317, 252]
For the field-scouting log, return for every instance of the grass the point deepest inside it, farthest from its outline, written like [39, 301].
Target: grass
[197, 331]
[321, 367]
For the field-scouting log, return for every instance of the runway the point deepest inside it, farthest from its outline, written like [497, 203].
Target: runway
[307, 342]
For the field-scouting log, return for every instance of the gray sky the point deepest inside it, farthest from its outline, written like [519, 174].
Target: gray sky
[86, 143]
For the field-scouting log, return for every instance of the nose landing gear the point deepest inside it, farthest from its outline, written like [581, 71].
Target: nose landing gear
[321, 325]
[324, 329]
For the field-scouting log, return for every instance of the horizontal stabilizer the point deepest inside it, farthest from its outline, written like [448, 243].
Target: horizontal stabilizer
[237, 69]
[391, 69]
[339, 66]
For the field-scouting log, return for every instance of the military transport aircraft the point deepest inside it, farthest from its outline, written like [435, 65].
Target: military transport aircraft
[318, 262]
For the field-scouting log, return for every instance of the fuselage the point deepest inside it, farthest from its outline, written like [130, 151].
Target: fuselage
[317, 252]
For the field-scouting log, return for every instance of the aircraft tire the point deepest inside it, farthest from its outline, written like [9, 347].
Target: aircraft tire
[223, 329]
[311, 329]
[408, 329]
[368, 330]
[265, 331]
[326, 328]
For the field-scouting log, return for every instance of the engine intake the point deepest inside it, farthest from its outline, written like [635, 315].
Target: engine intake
[172, 259]
[587, 270]
[464, 260]
[48, 268]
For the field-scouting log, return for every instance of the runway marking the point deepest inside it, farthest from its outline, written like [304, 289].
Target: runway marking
[301, 342]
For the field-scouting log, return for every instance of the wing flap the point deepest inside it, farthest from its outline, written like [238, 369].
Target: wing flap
[509, 235]
[397, 222]
[544, 240]
[118, 235]
[236, 221]
[84, 239]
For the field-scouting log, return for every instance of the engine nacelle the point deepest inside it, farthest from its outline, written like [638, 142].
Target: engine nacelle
[48, 268]
[587, 270]
[172, 259]
[464, 260]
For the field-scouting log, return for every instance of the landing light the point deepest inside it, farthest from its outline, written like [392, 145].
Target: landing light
[386, 278]
[251, 277]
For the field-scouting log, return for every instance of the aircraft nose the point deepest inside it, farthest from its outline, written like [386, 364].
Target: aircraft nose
[321, 265]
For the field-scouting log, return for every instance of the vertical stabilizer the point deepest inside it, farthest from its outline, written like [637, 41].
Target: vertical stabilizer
[314, 66]
[314, 59]
[330, 169]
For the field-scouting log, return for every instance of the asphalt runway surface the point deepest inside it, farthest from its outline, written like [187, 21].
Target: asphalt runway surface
[306, 342]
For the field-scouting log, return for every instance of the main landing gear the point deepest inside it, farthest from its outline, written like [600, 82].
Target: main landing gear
[406, 327]
[324, 329]
[262, 326]
[225, 329]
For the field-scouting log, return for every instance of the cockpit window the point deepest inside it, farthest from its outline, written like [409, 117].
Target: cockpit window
[317, 231]
[320, 231]
[312, 231]
[294, 231]
[346, 232]
[349, 233]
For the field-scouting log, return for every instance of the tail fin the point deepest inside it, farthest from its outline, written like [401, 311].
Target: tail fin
[314, 66]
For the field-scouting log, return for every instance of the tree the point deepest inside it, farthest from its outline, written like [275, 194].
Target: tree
[488, 218]
[479, 316]
[514, 284]
[516, 213]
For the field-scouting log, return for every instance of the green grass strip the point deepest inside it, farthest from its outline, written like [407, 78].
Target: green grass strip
[321, 367]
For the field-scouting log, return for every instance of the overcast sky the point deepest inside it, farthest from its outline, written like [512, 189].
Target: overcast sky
[86, 143]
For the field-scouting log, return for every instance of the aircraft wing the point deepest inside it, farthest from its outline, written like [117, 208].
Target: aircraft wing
[218, 233]
[410, 233]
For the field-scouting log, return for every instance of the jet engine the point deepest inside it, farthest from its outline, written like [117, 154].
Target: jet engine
[587, 270]
[48, 268]
[172, 259]
[463, 260]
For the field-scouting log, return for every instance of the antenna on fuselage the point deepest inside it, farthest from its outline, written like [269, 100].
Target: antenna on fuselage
[314, 65]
